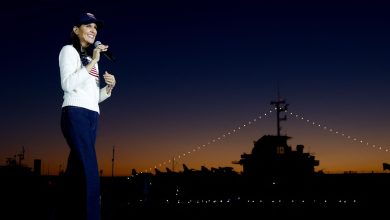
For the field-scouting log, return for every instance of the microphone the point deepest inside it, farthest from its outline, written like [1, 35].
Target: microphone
[106, 53]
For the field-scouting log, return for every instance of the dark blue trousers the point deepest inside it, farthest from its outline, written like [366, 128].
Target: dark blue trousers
[82, 188]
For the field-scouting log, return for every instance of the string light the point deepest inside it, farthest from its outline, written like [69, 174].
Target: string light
[251, 202]
[331, 130]
[263, 116]
[217, 139]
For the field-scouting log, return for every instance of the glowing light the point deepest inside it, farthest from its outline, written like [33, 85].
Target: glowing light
[214, 140]
[260, 117]
[342, 134]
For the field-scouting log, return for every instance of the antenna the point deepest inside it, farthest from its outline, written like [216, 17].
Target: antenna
[173, 163]
[112, 161]
[280, 106]
[21, 156]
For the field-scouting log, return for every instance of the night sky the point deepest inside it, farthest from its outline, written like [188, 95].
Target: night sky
[190, 72]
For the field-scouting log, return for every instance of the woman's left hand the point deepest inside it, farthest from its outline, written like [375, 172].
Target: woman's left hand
[109, 79]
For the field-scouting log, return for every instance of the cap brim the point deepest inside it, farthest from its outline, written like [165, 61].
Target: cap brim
[98, 23]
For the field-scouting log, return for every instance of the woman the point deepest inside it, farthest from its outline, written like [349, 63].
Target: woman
[79, 72]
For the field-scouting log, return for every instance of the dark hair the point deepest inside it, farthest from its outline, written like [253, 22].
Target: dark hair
[75, 41]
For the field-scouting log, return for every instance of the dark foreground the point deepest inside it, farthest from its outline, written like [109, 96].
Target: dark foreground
[337, 196]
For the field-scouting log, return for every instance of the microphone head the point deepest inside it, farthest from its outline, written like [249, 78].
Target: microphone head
[107, 53]
[97, 43]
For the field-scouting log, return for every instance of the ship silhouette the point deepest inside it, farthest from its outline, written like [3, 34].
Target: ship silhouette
[277, 181]
[272, 156]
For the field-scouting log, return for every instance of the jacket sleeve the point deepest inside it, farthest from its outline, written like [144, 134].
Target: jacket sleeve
[71, 70]
[103, 94]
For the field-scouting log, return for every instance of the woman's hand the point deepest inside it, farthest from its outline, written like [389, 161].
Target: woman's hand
[97, 51]
[109, 79]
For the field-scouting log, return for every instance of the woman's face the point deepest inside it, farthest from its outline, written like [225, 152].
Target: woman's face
[86, 33]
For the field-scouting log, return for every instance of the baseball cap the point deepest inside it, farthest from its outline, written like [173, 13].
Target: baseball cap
[87, 18]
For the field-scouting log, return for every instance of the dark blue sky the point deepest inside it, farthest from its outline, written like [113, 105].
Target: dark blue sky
[189, 71]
